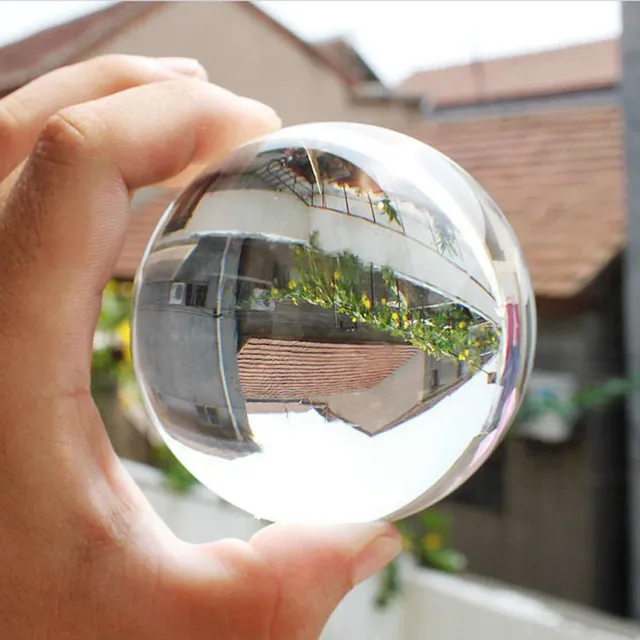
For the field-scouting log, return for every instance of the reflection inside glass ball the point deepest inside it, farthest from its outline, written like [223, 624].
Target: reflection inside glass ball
[334, 326]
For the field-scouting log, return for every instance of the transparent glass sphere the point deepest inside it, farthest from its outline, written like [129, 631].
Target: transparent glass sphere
[336, 325]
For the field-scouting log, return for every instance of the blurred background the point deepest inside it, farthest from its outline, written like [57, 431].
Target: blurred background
[540, 102]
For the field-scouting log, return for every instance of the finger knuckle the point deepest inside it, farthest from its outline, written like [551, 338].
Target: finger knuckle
[187, 88]
[67, 137]
[114, 65]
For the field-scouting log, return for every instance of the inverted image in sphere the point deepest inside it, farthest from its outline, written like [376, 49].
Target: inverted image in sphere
[336, 325]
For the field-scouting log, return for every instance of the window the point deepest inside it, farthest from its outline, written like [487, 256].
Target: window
[208, 415]
[196, 295]
[214, 424]
[177, 293]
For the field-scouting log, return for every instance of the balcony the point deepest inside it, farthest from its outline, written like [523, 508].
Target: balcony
[434, 606]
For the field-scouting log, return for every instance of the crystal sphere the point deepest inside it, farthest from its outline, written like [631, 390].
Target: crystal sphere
[334, 325]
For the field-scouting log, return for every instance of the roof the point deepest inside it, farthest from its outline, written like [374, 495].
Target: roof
[272, 369]
[295, 371]
[22, 61]
[558, 177]
[578, 68]
[344, 56]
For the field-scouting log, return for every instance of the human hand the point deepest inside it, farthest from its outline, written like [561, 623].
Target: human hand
[83, 555]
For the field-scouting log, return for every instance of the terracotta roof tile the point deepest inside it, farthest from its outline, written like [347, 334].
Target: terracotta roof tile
[558, 177]
[344, 56]
[287, 370]
[578, 68]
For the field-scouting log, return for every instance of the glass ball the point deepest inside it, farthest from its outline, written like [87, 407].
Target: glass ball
[335, 325]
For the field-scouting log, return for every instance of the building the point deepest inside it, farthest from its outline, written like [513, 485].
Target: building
[544, 135]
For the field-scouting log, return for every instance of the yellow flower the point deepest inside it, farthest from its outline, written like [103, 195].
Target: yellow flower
[292, 284]
[461, 357]
[462, 325]
[432, 542]
[384, 301]
[111, 288]
[395, 316]
[124, 333]
[274, 292]
[466, 352]
[366, 301]
[336, 275]
[406, 324]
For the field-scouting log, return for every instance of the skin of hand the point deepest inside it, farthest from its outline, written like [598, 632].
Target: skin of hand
[83, 554]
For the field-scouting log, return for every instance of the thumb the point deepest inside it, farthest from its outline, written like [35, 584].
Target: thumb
[316, 567]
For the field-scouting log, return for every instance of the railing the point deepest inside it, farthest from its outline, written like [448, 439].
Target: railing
[278, 176]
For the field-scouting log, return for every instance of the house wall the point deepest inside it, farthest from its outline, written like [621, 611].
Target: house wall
[279, 214]
[242, 51]
[197, 365]
[561, 528]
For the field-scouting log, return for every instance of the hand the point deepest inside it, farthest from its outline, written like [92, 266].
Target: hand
[82, 553]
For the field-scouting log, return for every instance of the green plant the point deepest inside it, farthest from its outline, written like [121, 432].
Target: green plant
[176, 476]
[341, 283]
[589, 397]
[426, 537]
[444, 235]
[389, 210]
[111, 363]
[112, 369]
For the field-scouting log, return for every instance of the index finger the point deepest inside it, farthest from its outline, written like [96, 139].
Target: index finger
[63, 226]
[24, 112]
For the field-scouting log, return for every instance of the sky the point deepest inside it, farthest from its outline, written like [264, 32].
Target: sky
[397, 37]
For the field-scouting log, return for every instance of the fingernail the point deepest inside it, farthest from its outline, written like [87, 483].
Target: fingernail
[185, 67]
[265, 112]
[377, 554]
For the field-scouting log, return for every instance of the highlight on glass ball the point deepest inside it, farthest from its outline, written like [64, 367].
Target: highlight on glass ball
[335, 325]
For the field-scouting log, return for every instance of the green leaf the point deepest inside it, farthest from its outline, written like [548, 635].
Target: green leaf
[446, 560]
[389, 587]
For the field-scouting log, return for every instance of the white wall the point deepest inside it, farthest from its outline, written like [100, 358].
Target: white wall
[283, 215]
[434, 606]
